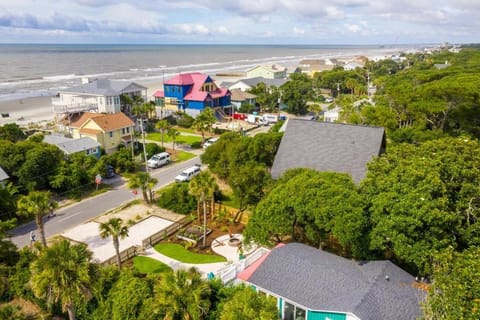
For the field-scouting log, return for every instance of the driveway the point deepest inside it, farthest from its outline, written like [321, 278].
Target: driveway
[77, 213]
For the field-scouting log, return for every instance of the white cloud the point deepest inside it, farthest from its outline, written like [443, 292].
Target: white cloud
[334, 21]
[352, 27]
[298, 31]
[222, 30]
[186, 28]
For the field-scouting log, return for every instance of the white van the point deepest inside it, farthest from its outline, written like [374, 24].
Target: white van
[188, 174]
[209, 142]
[158, 160]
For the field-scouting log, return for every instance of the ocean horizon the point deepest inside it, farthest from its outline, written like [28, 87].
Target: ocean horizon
[30, 70]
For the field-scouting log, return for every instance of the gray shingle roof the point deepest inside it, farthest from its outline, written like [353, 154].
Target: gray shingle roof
[239, 95]
[327, 146]
[70, 146]
[104, 87]
[3, 175]
[320, 280]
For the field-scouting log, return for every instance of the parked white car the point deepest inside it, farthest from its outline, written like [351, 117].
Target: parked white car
[209, 142]
[188, 174]
[158, 160]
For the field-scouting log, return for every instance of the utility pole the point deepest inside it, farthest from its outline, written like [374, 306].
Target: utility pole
[144, 147]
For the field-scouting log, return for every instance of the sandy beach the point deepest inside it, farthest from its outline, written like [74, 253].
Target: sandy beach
[39, 110]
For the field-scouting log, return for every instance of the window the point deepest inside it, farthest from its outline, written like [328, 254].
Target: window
[292, 312]
[128, 130]
[123, 130]
[299, 313]
[110, 134]
[288, 311]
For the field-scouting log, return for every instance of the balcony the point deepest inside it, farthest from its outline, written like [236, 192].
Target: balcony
[60, 106]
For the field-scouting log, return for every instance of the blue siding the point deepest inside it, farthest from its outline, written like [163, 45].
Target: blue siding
[317, 315]
[198, 105]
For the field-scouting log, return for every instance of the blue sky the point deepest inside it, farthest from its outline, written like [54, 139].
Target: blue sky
[238, 21]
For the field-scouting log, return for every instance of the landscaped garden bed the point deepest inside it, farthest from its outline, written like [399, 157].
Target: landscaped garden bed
[193, 234]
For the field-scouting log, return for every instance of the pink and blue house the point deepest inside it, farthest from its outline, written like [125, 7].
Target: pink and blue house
[191, 93]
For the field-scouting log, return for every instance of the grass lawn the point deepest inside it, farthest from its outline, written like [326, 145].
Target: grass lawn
[186, 130]
[183, 156]
[148, 265]
[181, 139]
[178, 252]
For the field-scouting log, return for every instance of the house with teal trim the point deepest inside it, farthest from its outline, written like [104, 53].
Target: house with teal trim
[311, 284]
[191, 93]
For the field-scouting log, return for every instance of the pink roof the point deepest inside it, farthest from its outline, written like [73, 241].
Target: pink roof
[188, 78]
[159, 94]
[196, 79]
[248, 272]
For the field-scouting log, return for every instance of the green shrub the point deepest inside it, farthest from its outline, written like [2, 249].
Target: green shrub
[153, 148]
[184, 120]
[196, 145]
[177, 199]
[276, 127]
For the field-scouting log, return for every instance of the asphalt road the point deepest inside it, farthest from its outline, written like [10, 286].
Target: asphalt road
[77, 213]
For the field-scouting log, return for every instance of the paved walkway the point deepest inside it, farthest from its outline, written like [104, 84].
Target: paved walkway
[229, 252]
[204, 268]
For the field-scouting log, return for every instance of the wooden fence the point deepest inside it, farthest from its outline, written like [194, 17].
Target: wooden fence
[165, 233]
[126, 254]
[132, 251]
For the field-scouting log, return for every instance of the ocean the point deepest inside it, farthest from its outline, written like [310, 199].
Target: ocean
[30, 70]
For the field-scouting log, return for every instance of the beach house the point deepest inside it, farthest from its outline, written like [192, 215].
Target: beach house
[71, 146]
[96, 95]
[240, 98]
[312, 66]
[312, 284]
[191, 93]
[274, 71]
[326, 146]
[109, 130]
[352, 65]
[249, 83]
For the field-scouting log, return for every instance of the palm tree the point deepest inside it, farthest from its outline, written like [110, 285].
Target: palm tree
[126, 102]
[117, 230]
[184, 295]
[204, 121]
[37, 204]
[203, 187]
[173, 133]
[150, 109]
[62, 273]
[163, 126]
[143, 181]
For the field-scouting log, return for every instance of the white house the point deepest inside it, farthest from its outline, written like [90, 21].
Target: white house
[99, 95]
[331, 115]
[249, 83]
[352, 65]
